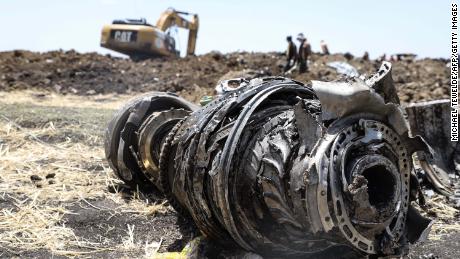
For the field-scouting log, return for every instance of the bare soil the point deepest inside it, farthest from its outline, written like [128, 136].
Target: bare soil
[192, 77]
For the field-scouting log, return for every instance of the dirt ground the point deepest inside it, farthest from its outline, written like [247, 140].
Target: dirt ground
[58, 197]
[57, 194]
[192, 77]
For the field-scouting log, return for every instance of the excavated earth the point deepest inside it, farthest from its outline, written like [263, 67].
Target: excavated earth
[64, 99]
[192, 77]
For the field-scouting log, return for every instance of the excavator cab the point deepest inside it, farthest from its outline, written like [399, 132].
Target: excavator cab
[139, 39]
[172, 38]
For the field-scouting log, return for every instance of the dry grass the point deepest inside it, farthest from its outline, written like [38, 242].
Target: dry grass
[107, 101]
[51, 158]
[446, 217]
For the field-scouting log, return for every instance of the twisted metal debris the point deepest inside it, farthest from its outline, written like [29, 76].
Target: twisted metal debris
[431, 120]
[278, 167]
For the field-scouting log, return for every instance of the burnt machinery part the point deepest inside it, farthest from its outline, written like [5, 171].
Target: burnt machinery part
[431, 120]
[121, 133]
[281, 168]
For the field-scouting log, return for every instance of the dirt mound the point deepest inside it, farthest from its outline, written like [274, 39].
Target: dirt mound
[192, 77]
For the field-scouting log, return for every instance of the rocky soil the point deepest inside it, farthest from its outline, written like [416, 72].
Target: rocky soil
[192, 77]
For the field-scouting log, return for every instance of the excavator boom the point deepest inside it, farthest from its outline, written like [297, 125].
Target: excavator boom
[172, 17]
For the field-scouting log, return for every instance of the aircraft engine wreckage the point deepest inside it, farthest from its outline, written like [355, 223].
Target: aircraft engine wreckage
[280, 168]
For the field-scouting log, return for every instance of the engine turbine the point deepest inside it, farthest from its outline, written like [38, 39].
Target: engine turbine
[278, 167]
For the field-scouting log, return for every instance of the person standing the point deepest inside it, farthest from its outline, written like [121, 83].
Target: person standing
[291, 54]
[324, 48]
[366, 56]
[304, 53]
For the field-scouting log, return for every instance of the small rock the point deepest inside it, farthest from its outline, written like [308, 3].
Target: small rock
[39, 95]
[58, 88]
[50, 175]
[216, 55]
[35, 178]
[91, 92]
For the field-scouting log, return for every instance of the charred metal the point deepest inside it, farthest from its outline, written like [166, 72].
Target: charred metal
[281, 168]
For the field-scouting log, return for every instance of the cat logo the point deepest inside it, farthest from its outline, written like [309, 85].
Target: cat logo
[123, 36]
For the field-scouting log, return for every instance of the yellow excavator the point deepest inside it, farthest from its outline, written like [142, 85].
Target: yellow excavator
[140, 40]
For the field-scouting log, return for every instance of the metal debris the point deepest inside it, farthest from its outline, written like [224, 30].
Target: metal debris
[344, 68]
[431, 120]
[280, 168]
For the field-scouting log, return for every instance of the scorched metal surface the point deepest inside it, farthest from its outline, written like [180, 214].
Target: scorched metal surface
[278, 167]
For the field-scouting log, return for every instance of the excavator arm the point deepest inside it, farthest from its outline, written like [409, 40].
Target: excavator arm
[172, 17]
